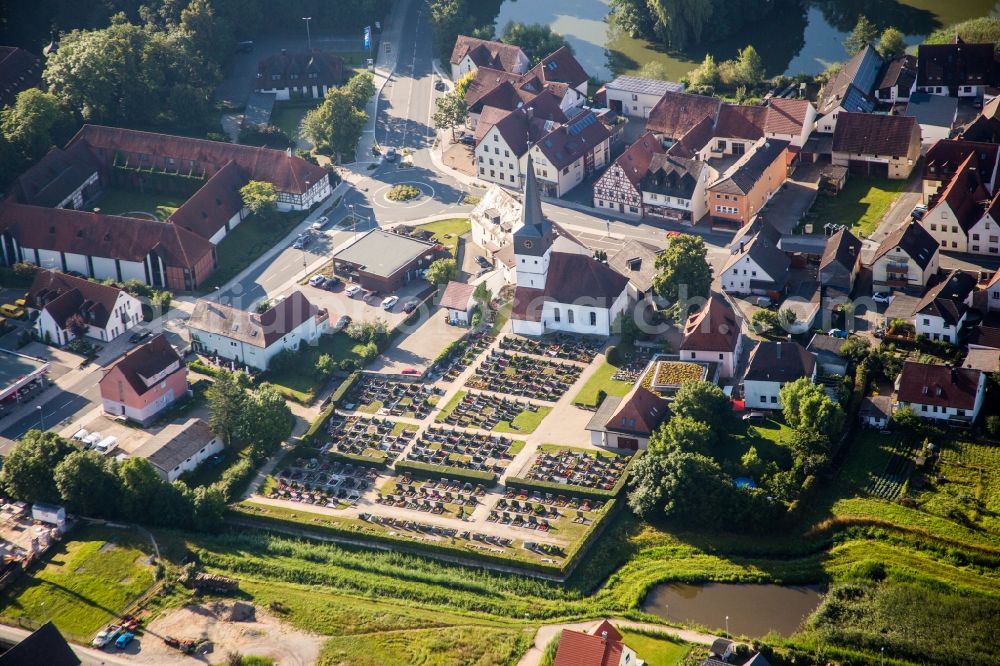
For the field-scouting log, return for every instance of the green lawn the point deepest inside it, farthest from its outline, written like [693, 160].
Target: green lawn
[601, 381]
[503, 314]
[88, 580]
[448, 231]
[288, 116]
[448, 646]
[524, 423]
[299, 374]
[118, 200]
[860, 205]
[656, 651]
[245, 243]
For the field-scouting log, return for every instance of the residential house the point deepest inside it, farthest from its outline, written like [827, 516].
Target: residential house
[985, 128]
[906, 259]
[941, 313]
[743, 189]
[675, 188]
[955, 210]
[771, 366]
[637, 262]
[458, 303]
[876, 411]
[985, 360]
[984, 336]
[875, 145]
[944, 158]
[940, 392]
[502, 152]
[144, 381]
[306, 74]
[559, 291]
[712, 334]
[850, 90]
[384, 261]
[826, 349]
[935, 114]
[628, 422]
[619, 187]
[757, 265]
[63, 302]
[635, 97]
[898, 80]
[19, 70]
[957, 69]
[254, 339]
[993, 293]
[602, 647]
[567, 154]
[561, 68]
[983, 236]
[180, 448]
[471, 53]
[841, 261]
[678, 112]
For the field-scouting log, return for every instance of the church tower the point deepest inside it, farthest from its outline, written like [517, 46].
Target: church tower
[532, 237]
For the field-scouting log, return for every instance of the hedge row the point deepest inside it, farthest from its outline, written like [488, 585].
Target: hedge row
[338, 395]
[423, 470]
[335, 399]
[202, 368]
[356, 459]
[570, 489]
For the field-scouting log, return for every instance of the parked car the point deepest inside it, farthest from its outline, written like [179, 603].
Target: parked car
[317, 281]
[391, 155]
[139, 335]
[106, 635]
[342, 323]
[331, 283]
[879, 297]
[410, 306]
[483, 262]
[352, 291]
[298, 243]
[411, 371]
[838, 333]
[918, 212]
[439, 85]
[754, 417]
[106, 445]
[467, 139]
[762, 302]
[319, 223]
[390, 302]
[122, 642]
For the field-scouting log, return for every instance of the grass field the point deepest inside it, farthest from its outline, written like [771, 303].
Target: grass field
[118, 200]
[859, 206]
[524, 423]
[448, 231]
[288, 116]
[601, 381]
[87, 581]
[451, 646]
[654, 650]
[299, 375]
[255, 236]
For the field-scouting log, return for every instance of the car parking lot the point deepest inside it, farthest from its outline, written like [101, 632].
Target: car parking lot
[365, 306]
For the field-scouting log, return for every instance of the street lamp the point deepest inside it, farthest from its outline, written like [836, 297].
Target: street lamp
[308, 37]
[727, 625]
[41, 421]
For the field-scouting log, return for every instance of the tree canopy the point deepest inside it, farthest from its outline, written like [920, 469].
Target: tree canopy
[864, 34]
[27, 468]
[450, 112]
[701, 401]
[259, 196]
[892, 43]
[226, 403]
[336, 124]
[442, 271]
[682, 269]
[807, 407]
[535, 39]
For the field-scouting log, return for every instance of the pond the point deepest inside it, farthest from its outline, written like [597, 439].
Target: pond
[789, 42]
[753, 610]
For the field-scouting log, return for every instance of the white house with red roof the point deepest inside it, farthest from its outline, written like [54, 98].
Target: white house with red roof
[602, 647]
[471, 53]
[627, 422]
[619, 187]
[58, 298]
[571, 152]
[457, 302]
[941, 392]
[559, 291]
[712, 334]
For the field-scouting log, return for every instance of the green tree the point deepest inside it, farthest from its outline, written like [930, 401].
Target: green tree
[892, 43]
[684, 433]
[462, 85]
[226, 403]
[687, 487]
[88, 484]
[765, 321]
[266, 420]
[749, 67]
[701, 401]
[752, 463]
[906, 421]
[682, 269]
[656, 70]
[259, 196]
[705, 74]
[360, 89]
[450, 112]
[536, 40]
[336, 124]
[27, 468]
[864, 34]
[786, 318]
[807, 407]
[325, 365]
[37, 121]
[856, 349]
[442, 271]
[140, 485]
[209, 507]
[209, 34]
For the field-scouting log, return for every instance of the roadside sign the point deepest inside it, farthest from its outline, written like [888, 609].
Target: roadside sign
[368, 36]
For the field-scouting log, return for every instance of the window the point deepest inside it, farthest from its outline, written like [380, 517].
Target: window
[954, 229]
[496, 151]
[635, 98]
[506, 153]
[555, 314]
[975, 236]
[720, 355]
[570, 316]
[692, 354]
[593, 319]
[927, 322]
[763, 398]
[933, 227]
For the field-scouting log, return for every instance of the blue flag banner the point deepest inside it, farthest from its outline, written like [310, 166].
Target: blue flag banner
[368, 36]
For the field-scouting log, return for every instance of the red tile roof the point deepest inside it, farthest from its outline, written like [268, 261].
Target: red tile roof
[457, 295]
[636, 158]
[144, 362]
[569, 142]
[964, 195]
[500, 85]
[64, 295]
[640, 412]
[677, 112]
[214, 203]
[945, 156]
[293, 70]
[248, 327]
[486, 53]
[579, 649]
[786, 116]
[874, 134]
[932, 384]
[740, 122]
[560, 67]
[714, 328]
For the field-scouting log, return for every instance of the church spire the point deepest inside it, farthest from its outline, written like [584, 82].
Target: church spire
[534, 227]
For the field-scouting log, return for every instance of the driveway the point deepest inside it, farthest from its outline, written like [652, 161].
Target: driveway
[419, 348]
[365, 307]
[793, 200]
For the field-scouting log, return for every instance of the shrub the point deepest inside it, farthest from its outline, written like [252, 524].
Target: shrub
[403, 193]
[613, 355]
[993, 425]
[425, 471]
[268, 136]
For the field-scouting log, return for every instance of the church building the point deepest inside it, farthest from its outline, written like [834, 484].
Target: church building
[559, 291]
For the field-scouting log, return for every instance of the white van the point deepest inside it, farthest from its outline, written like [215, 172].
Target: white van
[90, 440]
[106, 445]
[80, 435]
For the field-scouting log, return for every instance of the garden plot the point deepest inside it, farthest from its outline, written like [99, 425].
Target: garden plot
[525, 376]
[576, 467]
[380, 440]
[442, 496]
[322, 482]
[485, 411]
[545, 512]
[559, 346]
[476, 452]
[889, 484]
[387, 397]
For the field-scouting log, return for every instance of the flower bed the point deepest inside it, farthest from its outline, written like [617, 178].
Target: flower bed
[672, 374]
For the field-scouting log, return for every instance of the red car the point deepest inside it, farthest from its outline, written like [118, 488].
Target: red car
[411, 371]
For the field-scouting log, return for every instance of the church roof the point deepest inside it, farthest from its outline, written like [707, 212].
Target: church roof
[533, 226]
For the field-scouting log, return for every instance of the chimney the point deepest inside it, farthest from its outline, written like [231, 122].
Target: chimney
[604, 636]
[741, 247]
[778, 354]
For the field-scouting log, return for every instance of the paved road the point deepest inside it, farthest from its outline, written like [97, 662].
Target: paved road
[87, 656]
[58, 404]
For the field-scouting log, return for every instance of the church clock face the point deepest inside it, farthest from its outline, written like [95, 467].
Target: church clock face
[528, 244]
